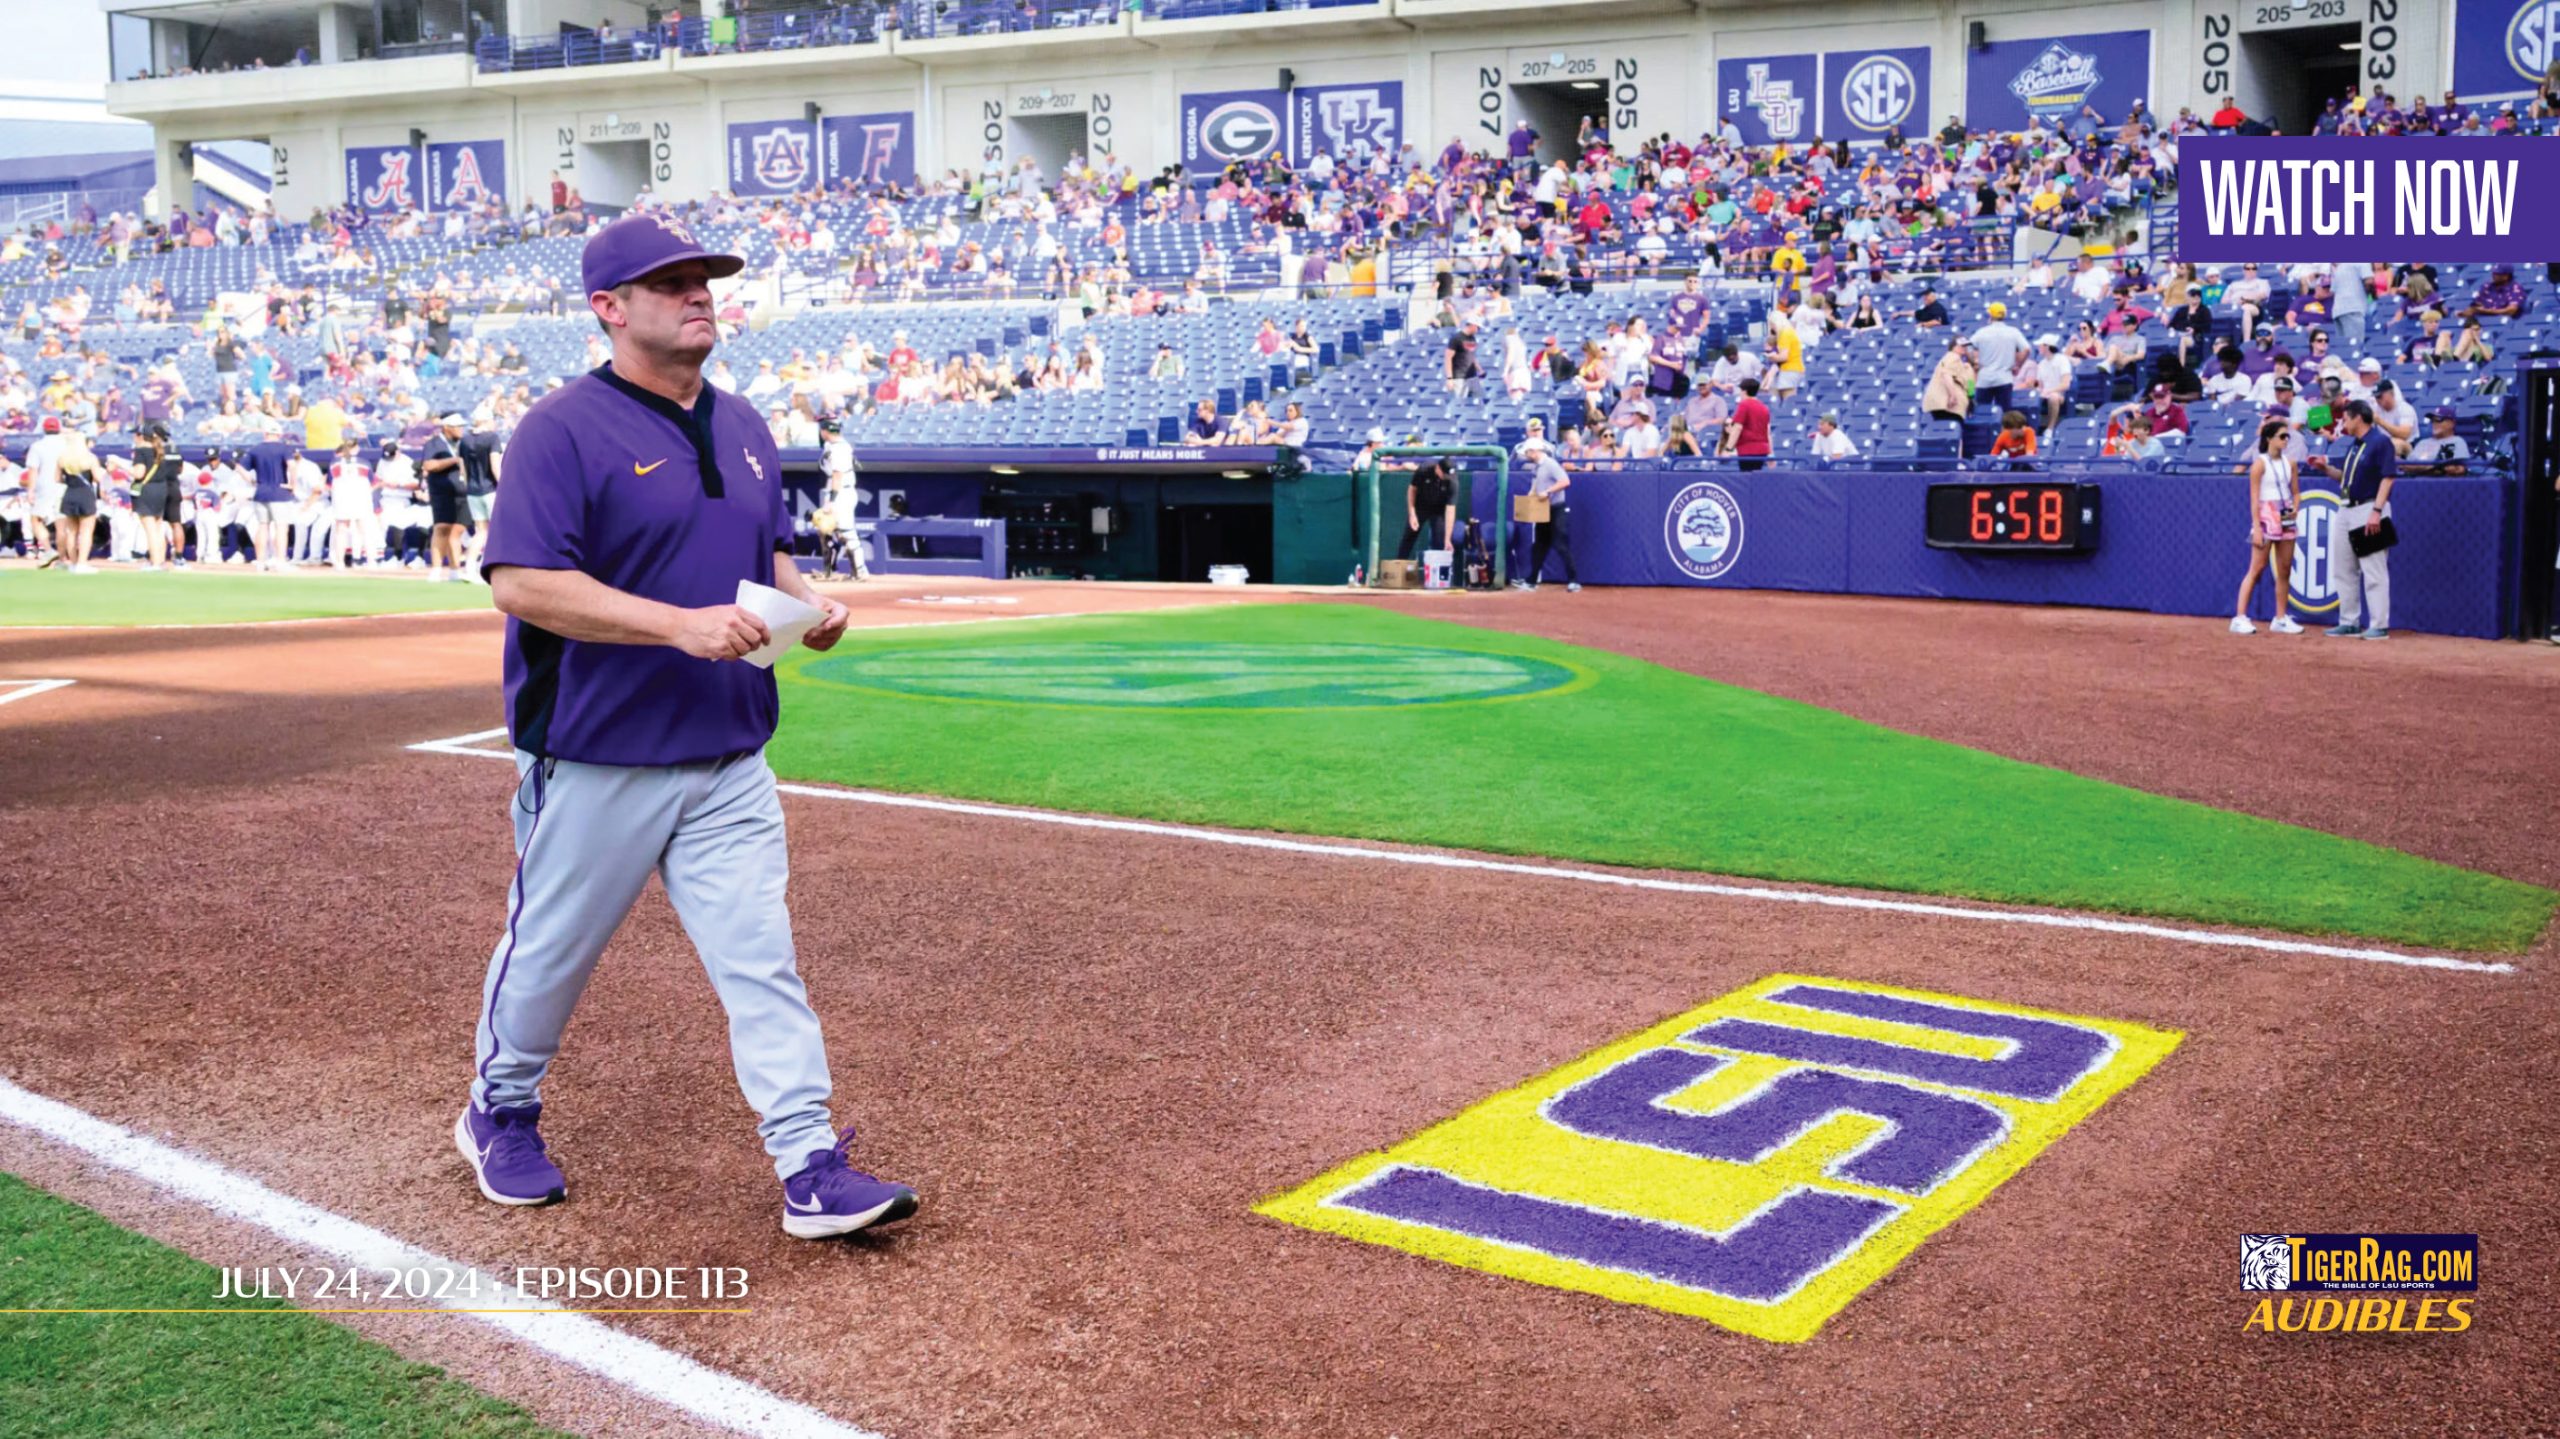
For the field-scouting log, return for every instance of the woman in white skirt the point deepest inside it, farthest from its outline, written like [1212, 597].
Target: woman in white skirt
[350, 507]
[2275, 495]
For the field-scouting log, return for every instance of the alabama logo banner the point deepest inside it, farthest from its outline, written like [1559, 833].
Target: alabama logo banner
[869, 149]
[465, 175]
[772, 157]
[382, 179]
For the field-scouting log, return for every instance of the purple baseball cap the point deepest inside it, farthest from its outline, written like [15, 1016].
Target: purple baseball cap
[643, 243]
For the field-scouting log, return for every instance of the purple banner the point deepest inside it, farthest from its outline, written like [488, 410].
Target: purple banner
[1345, 121]
[1866, 92]
[2288, 199]
[382, 179]
[1771, 98]
[869, 149]
[1221, 127]
[2502, 47]
[772, 157]
[466, 175]
[2052, 78]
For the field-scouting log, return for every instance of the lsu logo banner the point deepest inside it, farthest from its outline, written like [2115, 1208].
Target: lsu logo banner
[870, 149]
[1345, 121]
[2502, 47]
[467, 175]
[772, 157]
[1771, 98]
[382, 179]
[1756, 1162]
[2009, 83]
[1224, 126]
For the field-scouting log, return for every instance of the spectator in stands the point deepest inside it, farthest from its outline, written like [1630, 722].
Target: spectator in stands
[2500, 298]
[1641, 440]
[1930, 312]
[2016, 440]
[1680, 442]
[1747, 433]
[2135, 441]
[2366, 474]
[2168, 416]
[2395, 416]
[2351, 299]
[1786, 357]
[2248, 297]
[1830, 442]
[2471, 346]
[2192, 323]
[1205, 427]
[2229, 384]
[2442, 452]
[2432, 345]
[2123, 351]
[1459, 367]
[1999, 347]
[1949, 393]
[2275, 490]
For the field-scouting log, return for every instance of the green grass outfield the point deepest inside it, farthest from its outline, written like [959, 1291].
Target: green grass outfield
[192, 1374]
[1227, 717]
[203, 596]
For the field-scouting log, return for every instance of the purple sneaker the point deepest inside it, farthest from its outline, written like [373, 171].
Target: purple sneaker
[830, 1197]
[505, 1150]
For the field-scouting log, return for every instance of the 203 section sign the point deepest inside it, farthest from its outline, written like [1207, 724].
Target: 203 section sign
[1757, 1162]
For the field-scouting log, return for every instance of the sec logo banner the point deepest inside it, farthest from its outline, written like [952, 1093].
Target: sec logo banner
[2315, 582]
[1880, 91]
[1702, 526]
[2533, 38]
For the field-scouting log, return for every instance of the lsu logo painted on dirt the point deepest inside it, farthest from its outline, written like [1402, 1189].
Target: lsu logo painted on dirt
[1757, 1161]
[1200, 676]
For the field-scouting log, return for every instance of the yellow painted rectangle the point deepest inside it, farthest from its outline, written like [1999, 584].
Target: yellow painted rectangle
[1509, 1154]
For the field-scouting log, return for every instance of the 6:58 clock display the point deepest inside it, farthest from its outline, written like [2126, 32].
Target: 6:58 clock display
[2013, 515]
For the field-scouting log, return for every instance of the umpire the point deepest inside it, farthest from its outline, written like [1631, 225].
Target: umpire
[637, 499]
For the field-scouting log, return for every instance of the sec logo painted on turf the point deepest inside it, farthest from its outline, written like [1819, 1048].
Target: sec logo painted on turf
[1758, 1161]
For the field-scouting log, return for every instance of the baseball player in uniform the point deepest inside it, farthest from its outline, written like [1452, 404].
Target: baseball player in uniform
[637, 497]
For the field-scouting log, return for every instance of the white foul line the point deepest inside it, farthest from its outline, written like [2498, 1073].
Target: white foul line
[1341, 849]
[634, 1363]
[34, 687]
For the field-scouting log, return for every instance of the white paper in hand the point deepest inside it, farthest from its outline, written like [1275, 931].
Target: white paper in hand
[785, 618]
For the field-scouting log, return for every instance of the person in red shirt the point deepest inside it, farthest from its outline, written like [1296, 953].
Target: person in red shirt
[1747, 433]
[2168, 417]
[2229, 117]
[1592, 219]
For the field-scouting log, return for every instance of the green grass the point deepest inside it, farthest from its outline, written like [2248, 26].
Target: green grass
[191, 1374]
[203, 597]
[1633, 764]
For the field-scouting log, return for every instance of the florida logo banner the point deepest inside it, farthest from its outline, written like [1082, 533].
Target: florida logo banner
[1757, 1162]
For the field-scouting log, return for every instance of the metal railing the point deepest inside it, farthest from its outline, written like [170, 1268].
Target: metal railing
[802, 28]
[941, 19]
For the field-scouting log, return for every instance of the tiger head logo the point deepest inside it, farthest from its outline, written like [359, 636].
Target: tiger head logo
[2266, 1261]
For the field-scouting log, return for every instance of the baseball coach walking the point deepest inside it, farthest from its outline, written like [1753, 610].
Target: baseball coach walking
[636, 498]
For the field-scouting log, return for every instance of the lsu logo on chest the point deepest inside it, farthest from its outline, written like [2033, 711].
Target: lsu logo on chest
[1757, 1162]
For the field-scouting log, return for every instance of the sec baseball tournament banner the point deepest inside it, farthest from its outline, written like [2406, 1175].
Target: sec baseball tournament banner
[1224, 126]
[382, 179]
[466, 174]
[1345, 120]
[2009, 83]
[772, 157]
[2502, 47]
[2439, 198]
[869, 149]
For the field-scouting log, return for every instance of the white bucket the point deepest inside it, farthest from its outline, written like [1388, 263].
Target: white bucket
[1437, 568]
[1226, 574]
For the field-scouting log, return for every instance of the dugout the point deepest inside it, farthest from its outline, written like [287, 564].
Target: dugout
[1157, 513]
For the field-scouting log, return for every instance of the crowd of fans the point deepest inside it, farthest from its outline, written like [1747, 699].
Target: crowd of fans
[1829, 227]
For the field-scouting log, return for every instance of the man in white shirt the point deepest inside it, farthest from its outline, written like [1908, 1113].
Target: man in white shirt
[2053, 378]
[2247, 297]
[1642, 440]
[2092, 281]
[1830, 442]
[44, 485]
[765, 383]
[2227, 385]
[1733, 367]
[2395, 416]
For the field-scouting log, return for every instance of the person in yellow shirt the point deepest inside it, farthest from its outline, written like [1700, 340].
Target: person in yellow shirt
[1786, 352]
[324, 424]
[1364, 276]
[1787, 263]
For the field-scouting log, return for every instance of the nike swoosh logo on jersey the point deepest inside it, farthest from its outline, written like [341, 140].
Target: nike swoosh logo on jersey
[796, 1207]
[638, 468]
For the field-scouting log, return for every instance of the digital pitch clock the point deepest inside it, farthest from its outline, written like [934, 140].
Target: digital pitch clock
[2013, 515]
